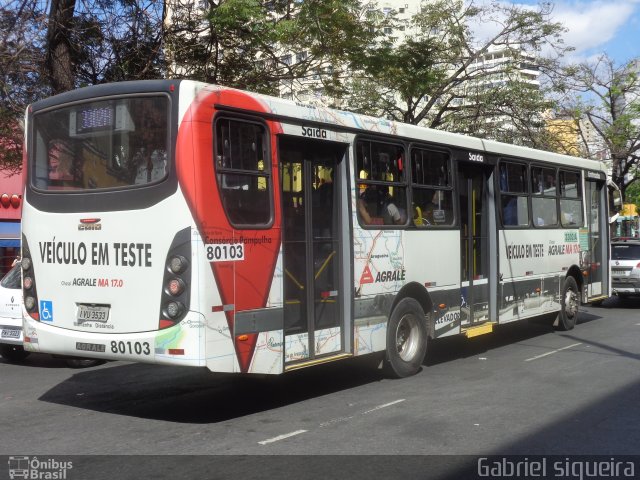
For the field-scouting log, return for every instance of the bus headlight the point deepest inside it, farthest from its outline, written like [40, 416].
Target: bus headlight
[29, 303]
[174, 309]
[178, 264]
[29, 287]
[175, 299]
[175, 287]
[26, 263]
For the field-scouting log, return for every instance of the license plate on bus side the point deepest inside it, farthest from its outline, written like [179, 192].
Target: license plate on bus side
[92, 313]
[10, 333]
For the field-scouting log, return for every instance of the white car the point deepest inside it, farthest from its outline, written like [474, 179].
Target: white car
[11, 316]
[625, 267]
[11, 322]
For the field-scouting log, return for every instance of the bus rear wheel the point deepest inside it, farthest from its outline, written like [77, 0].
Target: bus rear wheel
[406, 339]
[569, 305]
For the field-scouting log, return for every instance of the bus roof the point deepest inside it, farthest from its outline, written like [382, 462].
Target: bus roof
[296, 112]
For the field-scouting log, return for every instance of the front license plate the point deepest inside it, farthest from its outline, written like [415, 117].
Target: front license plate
[10, 333]
[93, 313]
[619, 273]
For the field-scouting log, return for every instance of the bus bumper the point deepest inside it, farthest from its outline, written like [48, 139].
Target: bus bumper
[179, 345]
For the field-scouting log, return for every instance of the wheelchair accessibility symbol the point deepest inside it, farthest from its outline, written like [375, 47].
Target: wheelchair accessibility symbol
[46, 310]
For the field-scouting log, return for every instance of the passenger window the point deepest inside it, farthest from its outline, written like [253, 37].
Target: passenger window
[381, 183]
[544, 191]
[570, 199]
[514, 194]
[431, 190]
[242, 170]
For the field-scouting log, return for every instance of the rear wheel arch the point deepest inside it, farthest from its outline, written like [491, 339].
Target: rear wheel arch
[421, 295]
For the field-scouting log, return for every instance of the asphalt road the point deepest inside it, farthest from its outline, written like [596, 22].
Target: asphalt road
[523, 390]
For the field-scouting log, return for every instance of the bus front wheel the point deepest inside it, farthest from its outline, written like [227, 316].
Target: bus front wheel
[569, 305]
[406, 339]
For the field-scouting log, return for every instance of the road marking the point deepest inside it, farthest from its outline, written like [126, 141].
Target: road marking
[330, 422]
[350, 417]
[335, 420]
[552, 352]
[282, 437]
[383, 406]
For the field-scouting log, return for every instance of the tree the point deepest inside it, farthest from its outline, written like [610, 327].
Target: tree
[22, 56]
[604, 100]
[75, 43]
[120, 40]
[632, 194]
[440, 78]
[260, 45]
[59, 46]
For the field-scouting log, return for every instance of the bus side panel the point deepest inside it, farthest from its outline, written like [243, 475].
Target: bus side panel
[533, 265]
[269, 351]
[243, 285]
[435, 264]
[381, 270]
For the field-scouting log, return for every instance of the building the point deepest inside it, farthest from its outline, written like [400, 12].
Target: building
[11, 188]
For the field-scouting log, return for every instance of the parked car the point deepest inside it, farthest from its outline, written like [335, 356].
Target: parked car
[625, 267]
[11, 348]
[11, 316]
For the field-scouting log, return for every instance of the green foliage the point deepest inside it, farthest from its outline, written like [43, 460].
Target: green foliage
[257, 45]
[632, 194]
[21, 60]
[437, 77]
[604, 98]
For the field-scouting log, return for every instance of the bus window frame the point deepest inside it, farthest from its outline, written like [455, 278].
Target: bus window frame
[533, 196]
[527, 194]
[359, 182]
[169, 150]
[580, 197]
[453, 224]
[268, 171]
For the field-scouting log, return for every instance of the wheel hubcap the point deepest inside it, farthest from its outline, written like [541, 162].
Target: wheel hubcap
[407, 335]
[571, 303]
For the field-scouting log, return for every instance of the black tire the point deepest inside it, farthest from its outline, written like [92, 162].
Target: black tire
[83, 362]
[13, 353]
[406, 339]
[569, 305]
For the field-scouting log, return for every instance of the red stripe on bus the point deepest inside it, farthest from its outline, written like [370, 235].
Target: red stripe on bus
[245, 284]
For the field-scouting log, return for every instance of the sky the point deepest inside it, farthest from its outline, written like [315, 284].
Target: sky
[598, 26]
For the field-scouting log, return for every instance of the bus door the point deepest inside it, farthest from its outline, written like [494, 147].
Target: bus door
[597, 228]
[312, 176]
[474, 203]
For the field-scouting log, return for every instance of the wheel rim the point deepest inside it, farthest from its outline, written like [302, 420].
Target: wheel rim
[570, 303]
[407, 337]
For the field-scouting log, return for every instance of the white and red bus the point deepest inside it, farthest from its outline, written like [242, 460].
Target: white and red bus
[181, 223]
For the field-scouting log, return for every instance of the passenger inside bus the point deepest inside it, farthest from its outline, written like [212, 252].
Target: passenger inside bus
[377, 207]
[431, 207]
[60, 160]
[150, 159]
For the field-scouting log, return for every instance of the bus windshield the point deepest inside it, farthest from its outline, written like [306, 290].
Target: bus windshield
[104, 144]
